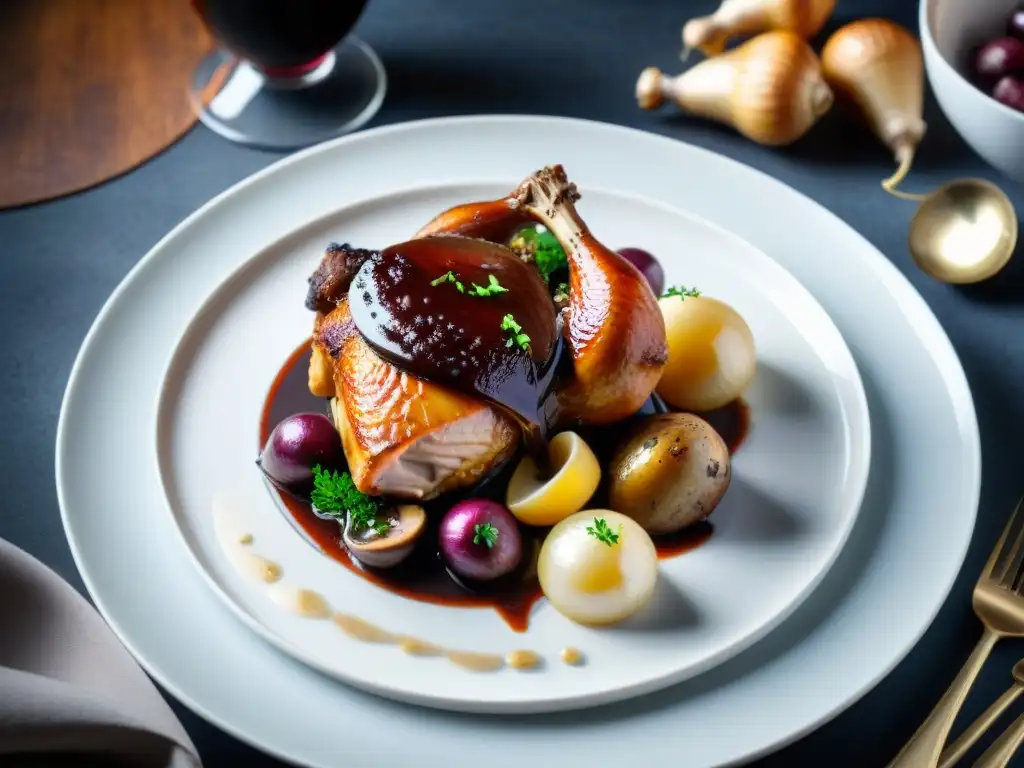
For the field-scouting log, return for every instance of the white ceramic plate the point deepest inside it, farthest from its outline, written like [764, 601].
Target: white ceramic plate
[916, 519]
[797, 480]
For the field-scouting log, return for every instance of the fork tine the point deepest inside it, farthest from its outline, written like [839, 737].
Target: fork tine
[999, 551]
[1017, 583]
[1014, 559]
[1015, 569]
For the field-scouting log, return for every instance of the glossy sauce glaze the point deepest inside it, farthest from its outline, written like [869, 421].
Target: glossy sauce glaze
[423, 575]
[418, 305]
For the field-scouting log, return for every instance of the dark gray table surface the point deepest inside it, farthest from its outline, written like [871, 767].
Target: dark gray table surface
[60, 260]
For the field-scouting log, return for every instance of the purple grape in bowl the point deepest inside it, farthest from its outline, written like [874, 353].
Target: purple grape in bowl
[951, 33]
[1010, 91]
[996, 59]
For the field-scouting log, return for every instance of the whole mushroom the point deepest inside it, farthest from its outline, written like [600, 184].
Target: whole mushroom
[671, 472]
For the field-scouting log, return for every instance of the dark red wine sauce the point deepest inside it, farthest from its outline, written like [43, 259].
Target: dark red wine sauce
[424, 576]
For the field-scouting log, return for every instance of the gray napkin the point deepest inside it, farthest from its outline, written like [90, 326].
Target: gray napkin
[67, 686]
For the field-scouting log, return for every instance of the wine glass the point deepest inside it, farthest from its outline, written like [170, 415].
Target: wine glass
[288, 74]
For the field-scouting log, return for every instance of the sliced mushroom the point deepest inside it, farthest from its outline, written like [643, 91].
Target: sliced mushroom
[408, 522]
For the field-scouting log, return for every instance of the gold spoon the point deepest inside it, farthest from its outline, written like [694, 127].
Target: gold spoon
[966, 230]
[963, 232]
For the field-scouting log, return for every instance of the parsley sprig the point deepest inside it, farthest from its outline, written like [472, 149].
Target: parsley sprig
[600, 531]
[336, 494]
[485, 533]
[548, 255]
[515, 331]
[543, 249]
[494, 287]
[449, 277]
[681, 291]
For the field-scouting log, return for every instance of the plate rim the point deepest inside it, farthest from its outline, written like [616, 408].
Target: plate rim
[858, 460]
[939, 345]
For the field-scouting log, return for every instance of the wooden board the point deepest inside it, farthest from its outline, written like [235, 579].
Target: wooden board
[90, 89]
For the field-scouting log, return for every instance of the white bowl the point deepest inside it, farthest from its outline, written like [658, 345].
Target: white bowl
[949, 30]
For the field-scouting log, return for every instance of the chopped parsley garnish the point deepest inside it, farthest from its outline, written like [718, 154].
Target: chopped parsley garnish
[336, 494]
[600, 531]
[485, 533]
[449, 277]
[493, 288]
[515, 331]
[681, 291]
[543, 249]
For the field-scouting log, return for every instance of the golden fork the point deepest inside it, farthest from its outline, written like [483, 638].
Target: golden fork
[999, 605]
[951, 755]
[998, 755]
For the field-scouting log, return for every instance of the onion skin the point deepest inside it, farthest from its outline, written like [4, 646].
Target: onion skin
[744, 18]
[770, 88]
[296, 445]
[478, 561]
[876, 66]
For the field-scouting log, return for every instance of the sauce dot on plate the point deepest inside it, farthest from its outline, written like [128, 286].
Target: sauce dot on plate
[523, 660]
[572, 656]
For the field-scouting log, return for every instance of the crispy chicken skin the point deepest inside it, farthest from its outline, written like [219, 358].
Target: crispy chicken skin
[403, 436]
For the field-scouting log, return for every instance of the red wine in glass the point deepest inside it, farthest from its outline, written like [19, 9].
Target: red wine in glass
[288, 73]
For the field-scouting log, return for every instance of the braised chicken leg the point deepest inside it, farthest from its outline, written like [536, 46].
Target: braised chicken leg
[441, 352]
[496, 220]
[614, 329]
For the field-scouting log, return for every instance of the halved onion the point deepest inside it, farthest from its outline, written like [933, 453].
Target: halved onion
[536, 501]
